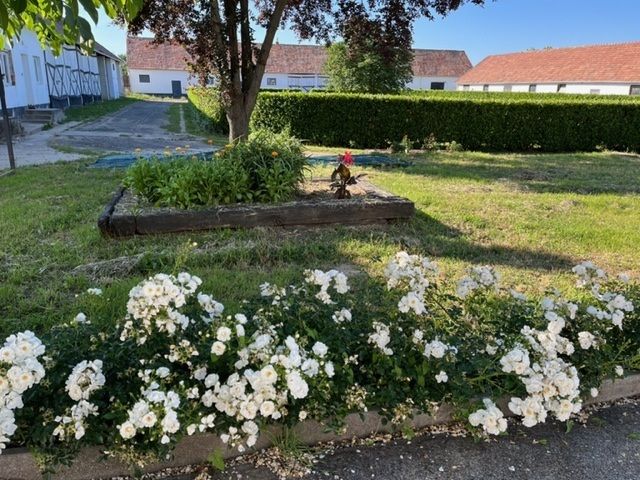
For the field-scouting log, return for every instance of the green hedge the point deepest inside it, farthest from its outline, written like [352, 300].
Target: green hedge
[478, 121]
[206, 107]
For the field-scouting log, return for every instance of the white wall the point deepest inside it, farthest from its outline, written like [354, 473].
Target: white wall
[17, 95]
[424, 83]
[582, 88]
[160, 81]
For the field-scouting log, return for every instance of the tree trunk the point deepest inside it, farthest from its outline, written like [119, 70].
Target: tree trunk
[238, 118]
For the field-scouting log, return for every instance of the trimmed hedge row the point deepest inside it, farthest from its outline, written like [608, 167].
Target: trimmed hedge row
[501, 122]
[208, 111]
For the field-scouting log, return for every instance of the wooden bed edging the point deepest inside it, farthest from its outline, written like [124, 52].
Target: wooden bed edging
[119, 219]
[19, 464]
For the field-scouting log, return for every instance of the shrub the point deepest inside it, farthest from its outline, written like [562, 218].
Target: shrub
[206, 107]
[495, 123]
[179, 364]
[266, 168]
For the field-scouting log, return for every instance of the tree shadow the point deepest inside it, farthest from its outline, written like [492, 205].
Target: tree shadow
[580, 173]
[437, 239]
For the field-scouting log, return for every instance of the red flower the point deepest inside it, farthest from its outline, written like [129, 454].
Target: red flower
[347, 158]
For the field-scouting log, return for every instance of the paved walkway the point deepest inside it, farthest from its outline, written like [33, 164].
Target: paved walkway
[608, 447]
[139, 125]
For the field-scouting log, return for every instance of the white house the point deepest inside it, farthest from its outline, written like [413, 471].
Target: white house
[36, 78]
[162, 69]
[597, 69]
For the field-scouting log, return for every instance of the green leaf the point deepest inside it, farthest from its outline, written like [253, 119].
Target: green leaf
[4, 16]
[18, 6]
[634, 436]
[85, 28]
[216, 460]
[570, 425]
[91, 9]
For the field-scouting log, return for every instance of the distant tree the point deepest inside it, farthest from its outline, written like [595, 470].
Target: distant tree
[219, 35]
[367, 70]
[124, 67]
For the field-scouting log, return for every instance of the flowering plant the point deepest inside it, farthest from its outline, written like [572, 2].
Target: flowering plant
[179, 364]
[341, 177]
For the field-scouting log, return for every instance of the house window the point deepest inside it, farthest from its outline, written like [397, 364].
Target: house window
[465, 88]
[144, 78]
[37, 68]
[6, 64]
[507, 88]
[562, 88]
[485, 88]
[594, 91]
[272, 81]
[634, 90]
[533, 88]
[322, 81]
[304, 82]
[437, 85]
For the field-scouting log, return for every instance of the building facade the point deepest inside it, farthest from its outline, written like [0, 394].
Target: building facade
[36, 78]
[162, 69]
[597, 69]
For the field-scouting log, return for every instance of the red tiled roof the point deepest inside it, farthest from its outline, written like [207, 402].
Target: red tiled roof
[596, 63]
[143, 54]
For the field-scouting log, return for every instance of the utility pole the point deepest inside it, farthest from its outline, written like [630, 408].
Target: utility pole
[7, 123]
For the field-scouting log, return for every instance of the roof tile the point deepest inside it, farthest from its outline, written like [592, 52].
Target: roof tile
[595, 63]
[143, 54]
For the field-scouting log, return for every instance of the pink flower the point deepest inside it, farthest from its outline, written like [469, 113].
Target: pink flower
[347, 158]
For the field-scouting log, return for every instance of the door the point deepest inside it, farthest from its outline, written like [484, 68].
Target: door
[176, 88]
[28, 81]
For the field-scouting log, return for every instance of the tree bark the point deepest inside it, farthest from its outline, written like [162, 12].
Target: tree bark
[238, 117]
[246, 76]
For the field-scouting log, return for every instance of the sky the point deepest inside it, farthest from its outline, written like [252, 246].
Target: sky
[500, 26]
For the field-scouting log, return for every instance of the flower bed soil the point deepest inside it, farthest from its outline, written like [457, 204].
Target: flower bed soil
[19, 463]
[127, 215]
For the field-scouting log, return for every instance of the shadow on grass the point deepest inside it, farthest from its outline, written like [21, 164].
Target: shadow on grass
[440, 240]
[581, 173]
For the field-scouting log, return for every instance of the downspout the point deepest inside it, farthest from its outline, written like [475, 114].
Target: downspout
[46, 74]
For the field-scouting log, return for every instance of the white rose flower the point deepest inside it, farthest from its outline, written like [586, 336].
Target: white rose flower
[442, 377]
[223, 334]
[320, 349]
[218, 348]
[127, 430]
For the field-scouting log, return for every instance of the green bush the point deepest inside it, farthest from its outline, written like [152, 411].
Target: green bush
[266, 168]
[494, 123]
[476, 120]
[207, 109]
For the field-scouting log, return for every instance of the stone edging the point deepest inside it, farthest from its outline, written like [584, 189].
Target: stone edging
[19, 464]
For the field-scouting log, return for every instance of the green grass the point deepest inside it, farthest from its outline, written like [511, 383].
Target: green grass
[173, 118]
[533, 216]
[96, 110]
[194, 128]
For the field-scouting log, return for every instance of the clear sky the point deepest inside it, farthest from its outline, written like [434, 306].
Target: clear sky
[498, 27]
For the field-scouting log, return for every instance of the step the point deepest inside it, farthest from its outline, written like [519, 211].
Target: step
[43, 115]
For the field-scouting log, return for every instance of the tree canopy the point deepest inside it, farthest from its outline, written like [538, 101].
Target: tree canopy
[58, 22]
[219, 35]
[367, 69]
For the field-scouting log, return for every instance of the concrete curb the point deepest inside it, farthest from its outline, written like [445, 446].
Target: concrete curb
[19, 464]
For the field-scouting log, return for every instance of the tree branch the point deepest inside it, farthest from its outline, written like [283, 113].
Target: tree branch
[263, 54]
[246, 45]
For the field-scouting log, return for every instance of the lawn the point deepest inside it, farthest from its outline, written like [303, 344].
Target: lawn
[533, 216]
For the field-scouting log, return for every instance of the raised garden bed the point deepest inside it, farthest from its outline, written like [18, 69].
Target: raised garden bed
[126, 215]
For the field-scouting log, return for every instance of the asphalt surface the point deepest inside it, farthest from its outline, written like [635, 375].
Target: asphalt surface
[607, 447]
[139, 125]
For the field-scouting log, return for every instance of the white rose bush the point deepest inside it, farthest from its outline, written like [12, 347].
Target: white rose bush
[179, 364]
